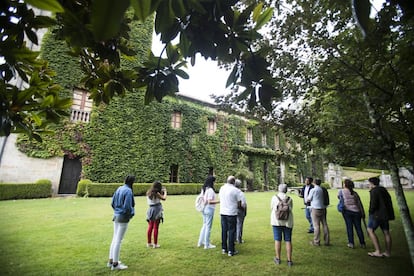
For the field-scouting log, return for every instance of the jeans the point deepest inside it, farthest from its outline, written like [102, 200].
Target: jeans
[309, 218]
[208, 215]
[239, 225]
[228, 232]
[119, 232]
[353, 219]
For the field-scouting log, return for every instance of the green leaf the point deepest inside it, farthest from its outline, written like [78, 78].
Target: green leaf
[257, 10]
[232, 77]
[182, 74]
[47, 5]
[107, 16]
[263, 18]
[142, 8]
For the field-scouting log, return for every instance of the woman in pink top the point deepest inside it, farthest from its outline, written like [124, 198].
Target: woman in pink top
[353, 213]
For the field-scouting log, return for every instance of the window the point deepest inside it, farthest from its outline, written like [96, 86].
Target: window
[176, 120]
[264, 139]
[277, 142]
[211, 126]
[81, 106]
[249, 136]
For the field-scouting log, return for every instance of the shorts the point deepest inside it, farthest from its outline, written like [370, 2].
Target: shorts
[277, 233]
[374, 224]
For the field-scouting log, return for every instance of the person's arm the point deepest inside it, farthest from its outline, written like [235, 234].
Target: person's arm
[163, 195]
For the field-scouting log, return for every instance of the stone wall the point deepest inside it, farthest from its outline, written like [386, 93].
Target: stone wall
[16, 167]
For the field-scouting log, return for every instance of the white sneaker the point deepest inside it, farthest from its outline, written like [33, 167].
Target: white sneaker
[156, 246]
[119, 267]
[149, 245]
[210, 246]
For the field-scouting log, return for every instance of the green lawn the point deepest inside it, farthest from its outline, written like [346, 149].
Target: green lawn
[71, 236]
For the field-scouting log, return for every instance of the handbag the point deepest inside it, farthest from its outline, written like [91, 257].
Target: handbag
[341, 204]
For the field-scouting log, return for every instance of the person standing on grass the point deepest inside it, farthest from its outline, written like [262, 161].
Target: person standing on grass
[280, 227]
[304, 193]
[241, 214]
[208, 213]
[155, 212]
[316, 200]
[230, 202]
[123, 205]
[353, 213]
[380, 213]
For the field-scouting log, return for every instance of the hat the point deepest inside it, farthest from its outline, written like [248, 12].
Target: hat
[282, 188]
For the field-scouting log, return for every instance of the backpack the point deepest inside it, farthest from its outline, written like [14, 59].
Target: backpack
[325, 196]
[282, 208]
[200, 202]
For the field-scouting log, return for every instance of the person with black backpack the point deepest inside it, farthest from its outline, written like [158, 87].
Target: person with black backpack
[318, 205]
[281, 219]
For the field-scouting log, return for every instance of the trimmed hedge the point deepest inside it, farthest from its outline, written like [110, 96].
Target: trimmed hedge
[88, 189]
[40, 189]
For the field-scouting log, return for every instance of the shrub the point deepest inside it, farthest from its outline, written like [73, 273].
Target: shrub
[87, 188]
[41, 189]
[326, 185]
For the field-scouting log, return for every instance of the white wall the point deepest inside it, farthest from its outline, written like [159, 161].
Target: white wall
[16, 167]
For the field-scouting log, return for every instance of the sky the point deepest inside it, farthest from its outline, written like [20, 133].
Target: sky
[206, 77]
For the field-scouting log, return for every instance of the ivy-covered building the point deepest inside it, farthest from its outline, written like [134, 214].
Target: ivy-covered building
[180, 140]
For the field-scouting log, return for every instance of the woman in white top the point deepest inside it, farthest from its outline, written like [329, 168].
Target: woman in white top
[208, 212]
[280, 227]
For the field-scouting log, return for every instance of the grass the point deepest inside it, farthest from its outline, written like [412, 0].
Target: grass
[71, 236]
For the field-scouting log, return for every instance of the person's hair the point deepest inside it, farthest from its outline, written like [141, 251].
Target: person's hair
[310, 179]
[238, 183]
[282, 188]
[318, 181]
[374, 180]
[129, 180]
[209, 183]
[231, 179]
[349, 184]
[155, 188]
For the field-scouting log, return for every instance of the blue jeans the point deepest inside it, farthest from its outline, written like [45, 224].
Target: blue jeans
[239, 227]
[228, 232]
[309, 218]
[208, 215]
[353, 219]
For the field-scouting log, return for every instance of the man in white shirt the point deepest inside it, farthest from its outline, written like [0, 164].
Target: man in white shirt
[230, 202]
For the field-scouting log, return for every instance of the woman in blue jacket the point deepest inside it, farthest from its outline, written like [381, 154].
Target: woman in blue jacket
[123, 204]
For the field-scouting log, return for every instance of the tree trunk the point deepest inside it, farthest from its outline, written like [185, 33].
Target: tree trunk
[403, 208]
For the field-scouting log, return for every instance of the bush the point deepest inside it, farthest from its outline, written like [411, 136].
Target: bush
[41, 189]
[87, 188]
[326, 185]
